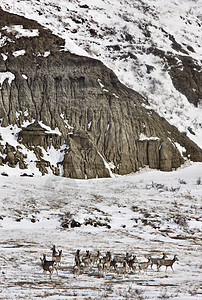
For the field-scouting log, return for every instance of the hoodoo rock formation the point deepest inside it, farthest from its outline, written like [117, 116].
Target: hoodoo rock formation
[95, 122]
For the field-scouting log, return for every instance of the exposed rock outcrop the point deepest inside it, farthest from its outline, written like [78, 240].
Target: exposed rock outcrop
[83, 159]
[99, 119]
[12, 156]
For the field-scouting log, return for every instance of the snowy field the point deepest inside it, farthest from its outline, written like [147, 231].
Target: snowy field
[144, 214]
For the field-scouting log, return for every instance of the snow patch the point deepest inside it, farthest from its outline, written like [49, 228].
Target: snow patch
[18, 114]
[54, 156]
[89, 125]
[100, 83]
[46, 53]
[6, 75]
[181, 149]
[19, 52]
[49, 130]
[4, 40]
[24, 76]
[26, 113]
[143, 137]
[3, 55]
[19, 31]
[107, 165]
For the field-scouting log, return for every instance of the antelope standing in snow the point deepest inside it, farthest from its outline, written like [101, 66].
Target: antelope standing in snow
[167, 263]
[48, 265]
[56, 256]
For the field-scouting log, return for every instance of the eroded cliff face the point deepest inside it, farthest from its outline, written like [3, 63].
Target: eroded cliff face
[101, 124]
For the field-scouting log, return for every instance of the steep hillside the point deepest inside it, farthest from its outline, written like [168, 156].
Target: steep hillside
[70, 115]
[152, 46]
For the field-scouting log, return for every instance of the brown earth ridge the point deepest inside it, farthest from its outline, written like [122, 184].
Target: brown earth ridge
[100, 119]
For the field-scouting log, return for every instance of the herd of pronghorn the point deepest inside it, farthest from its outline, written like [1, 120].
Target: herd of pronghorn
[119, 264]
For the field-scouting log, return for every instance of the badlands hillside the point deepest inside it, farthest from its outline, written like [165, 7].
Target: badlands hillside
[99, 89]
[64, 112]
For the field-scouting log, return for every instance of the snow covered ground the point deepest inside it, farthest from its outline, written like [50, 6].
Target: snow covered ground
[146, 213]
[119, 34]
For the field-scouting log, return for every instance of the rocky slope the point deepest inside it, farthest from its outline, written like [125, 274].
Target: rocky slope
[153, 46]
[76, 106]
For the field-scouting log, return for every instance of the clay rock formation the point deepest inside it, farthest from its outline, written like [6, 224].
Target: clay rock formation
[12, 156]
[83, 158]
[102, 124]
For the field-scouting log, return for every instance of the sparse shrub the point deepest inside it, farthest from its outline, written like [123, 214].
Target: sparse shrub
[97, 198]
[174, 189]
[97, 223]
[158, 186]
[162, 187]
[33, 220]
[175, 203]
[67, 221]
[131, 293]
[4, 174]
[147, 214]
[70, 223]
[145, 221]
[188, 196]
[181, 181]
[180, 220]
[164, 296]
[193, 291]
[198, 182]
[134, 208]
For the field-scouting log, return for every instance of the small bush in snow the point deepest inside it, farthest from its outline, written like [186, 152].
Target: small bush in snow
[180, 220]
[198, 182]
[181, 181]
[158, 186]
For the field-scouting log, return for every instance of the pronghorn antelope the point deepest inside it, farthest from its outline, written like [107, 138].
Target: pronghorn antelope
[107, 257]
[167, 262]
[113, 263]
[56, 255]
[48, 265]
[100, 267]
[132, 263]
[95, 257]
[144, 265]
[77, 268]
[77, 256]
[86, 258]
[156, 260]
[122, 269]
[120, 264]
[81, 262]
[104, 263]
